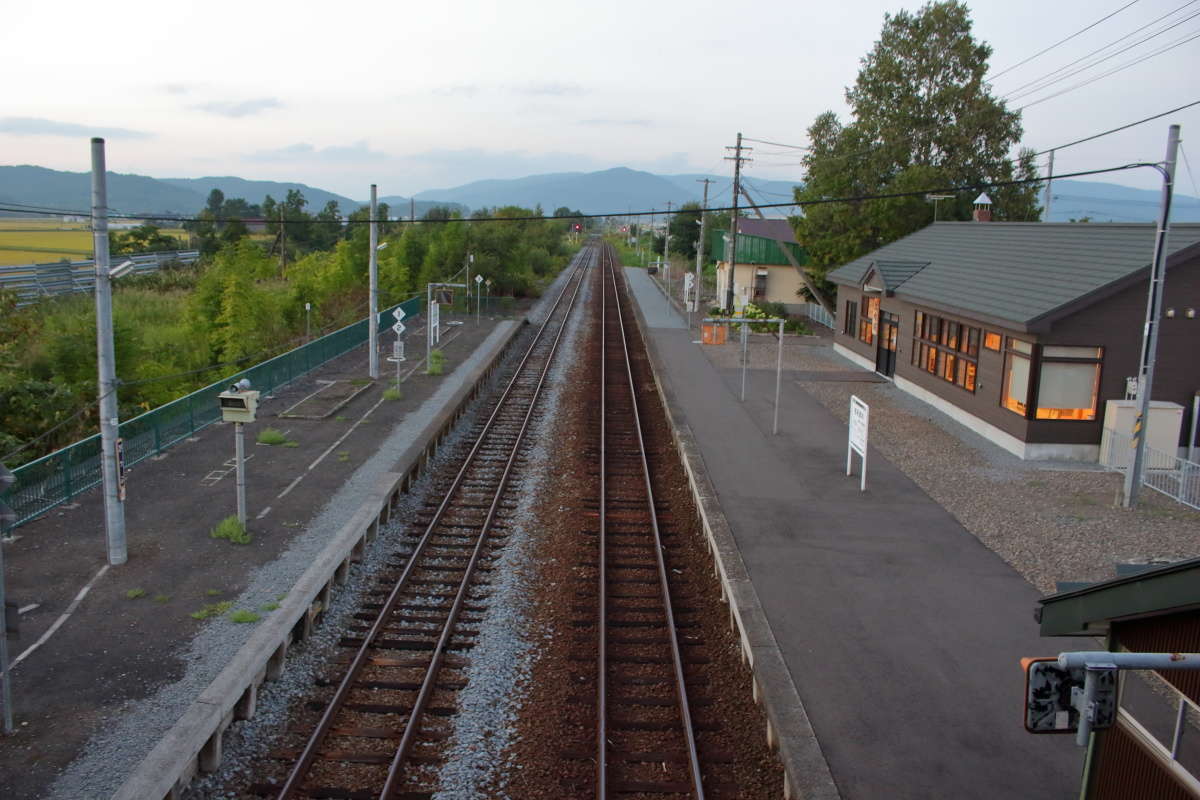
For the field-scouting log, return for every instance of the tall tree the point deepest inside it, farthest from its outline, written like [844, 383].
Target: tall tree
[923, 119]
[685, 230]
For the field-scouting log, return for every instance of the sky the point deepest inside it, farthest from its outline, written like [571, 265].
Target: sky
[424, 96]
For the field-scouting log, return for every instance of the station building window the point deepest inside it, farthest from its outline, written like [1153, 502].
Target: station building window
[866, 325]
[1069, 382]
[946, 348]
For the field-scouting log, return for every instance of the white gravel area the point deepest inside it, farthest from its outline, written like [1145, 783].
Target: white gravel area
[505, 650]
[112, 755]
[1052, 521]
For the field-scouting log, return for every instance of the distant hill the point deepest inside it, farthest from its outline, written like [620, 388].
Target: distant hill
[1108, 202]
[71, 192]
[613, 191]
[256, 191]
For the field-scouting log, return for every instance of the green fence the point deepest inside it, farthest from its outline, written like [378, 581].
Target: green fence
[42, 484]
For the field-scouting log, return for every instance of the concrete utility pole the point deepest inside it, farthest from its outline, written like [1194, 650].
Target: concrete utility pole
[373, 311]
[1049, 194]
[114, 504]
[737, 159]
[703, 233]
[282, 241]
[666, 261]
[1154, 299]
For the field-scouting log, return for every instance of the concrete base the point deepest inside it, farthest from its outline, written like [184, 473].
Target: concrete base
[857, 358]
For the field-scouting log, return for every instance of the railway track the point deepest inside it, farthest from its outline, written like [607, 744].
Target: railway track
[645, 734]
[379, 731]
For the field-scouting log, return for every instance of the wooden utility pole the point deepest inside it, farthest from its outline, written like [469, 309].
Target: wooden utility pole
[737, 158]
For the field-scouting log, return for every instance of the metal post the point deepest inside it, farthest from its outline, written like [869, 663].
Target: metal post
[1133, 475]
[1195, 419]
[373, 311]
[240, 458]
[307, 321]
[428, 322]
[745, 359]
[1049, 194]
[114, 507]
[700, 246]
[666, 259]
[5, 677]
[778, 378]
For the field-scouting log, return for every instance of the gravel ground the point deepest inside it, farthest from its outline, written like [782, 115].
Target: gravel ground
[479, 759]
[1052, 521]
[110, 757]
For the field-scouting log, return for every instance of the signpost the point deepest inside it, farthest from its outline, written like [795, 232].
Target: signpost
[859, 420]
[689, 295]
[478, 297]
[398, 346]
[432, 313]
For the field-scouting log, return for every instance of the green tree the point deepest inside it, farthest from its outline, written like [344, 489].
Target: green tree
[923, 119]
[685, 230]
[141, 239]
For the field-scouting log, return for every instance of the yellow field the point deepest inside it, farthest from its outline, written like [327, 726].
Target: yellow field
[28, 241]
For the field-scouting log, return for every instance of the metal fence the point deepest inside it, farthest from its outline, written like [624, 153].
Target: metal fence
[33, 281]
[1167, 473]
[42, 484]
[818, 314]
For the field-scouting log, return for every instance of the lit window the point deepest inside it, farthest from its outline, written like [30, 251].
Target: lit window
[1069, 383]
[1016, 376]
[991, 341]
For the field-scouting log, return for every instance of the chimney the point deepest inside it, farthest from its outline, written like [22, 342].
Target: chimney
[983, 208]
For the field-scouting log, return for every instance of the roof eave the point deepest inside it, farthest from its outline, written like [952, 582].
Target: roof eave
[1088, 611]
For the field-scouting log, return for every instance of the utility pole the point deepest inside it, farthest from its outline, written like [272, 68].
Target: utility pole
[373, 311]
[737, 160]
[412, 209]
[703, 231]
[1049, 180]
[114, 504]
[282, 241]
[1158, 276]
[666, 262]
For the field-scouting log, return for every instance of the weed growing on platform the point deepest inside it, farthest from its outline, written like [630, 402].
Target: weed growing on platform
[344, 455]
[270, 606]
[233, 530]
[392, 394]
[242, 615]
[134, 594]
[213, 592]
[340, 418]
[437, 363]
[162, 599]
[272, 436]
[359, 381]
[212, 610]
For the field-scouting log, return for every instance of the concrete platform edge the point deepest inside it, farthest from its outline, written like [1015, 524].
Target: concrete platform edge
[194, 742]
[789, 732]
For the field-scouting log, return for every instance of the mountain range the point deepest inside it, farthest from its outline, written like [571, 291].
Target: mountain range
[611, 191]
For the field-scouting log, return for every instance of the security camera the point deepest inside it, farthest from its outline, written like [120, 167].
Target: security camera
[240, 386]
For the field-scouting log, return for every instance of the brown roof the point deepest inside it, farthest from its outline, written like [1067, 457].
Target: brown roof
[778, 229]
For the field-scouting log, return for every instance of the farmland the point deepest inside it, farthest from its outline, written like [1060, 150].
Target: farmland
[26, 241]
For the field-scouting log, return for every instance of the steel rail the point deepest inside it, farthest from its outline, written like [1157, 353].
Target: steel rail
[602, 582]
[685, 715]
[427, 685]
[308, 756]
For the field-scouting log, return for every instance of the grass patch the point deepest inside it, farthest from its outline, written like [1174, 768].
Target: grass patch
[437, 363]
[213, 592]
[392, 394]
[242, 615]
[340, 418]
[232, 529]
[162, 599]
[344, 455]
[270, 606]
[274, 437]
[134, 594]
[359, 381]
[291, 443]
[209, 610]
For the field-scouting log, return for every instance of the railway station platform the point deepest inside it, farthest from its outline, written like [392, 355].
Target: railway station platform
[901, 631]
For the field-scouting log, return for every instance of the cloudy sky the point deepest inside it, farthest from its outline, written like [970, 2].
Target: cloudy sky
[416, 96]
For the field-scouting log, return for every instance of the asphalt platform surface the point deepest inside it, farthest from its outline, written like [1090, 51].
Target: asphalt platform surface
[901, 630]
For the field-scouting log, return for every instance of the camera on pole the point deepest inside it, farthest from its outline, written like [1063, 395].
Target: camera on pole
[239, 403]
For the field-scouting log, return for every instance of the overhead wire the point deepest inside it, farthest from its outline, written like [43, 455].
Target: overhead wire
[1118, 129]
[1059, 42]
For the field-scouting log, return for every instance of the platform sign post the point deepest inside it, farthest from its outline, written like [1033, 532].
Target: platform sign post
[398, 345]
[859, 419]
[478, 297]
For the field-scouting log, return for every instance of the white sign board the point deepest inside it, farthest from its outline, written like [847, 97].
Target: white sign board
[435, 323]
[860, 415]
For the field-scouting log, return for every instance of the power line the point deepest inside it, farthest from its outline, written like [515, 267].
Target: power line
[1054, 76]
[1117, 130]
[1113, 71]
[1060, 41]
[780, 144]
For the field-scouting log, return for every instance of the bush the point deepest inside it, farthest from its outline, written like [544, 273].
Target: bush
[242, 615]
[232, 529]
[212, 610]
[437, 363]
[797, 326]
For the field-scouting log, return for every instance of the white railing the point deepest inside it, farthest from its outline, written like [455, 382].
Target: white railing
[818, 314]
[1167, 473]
